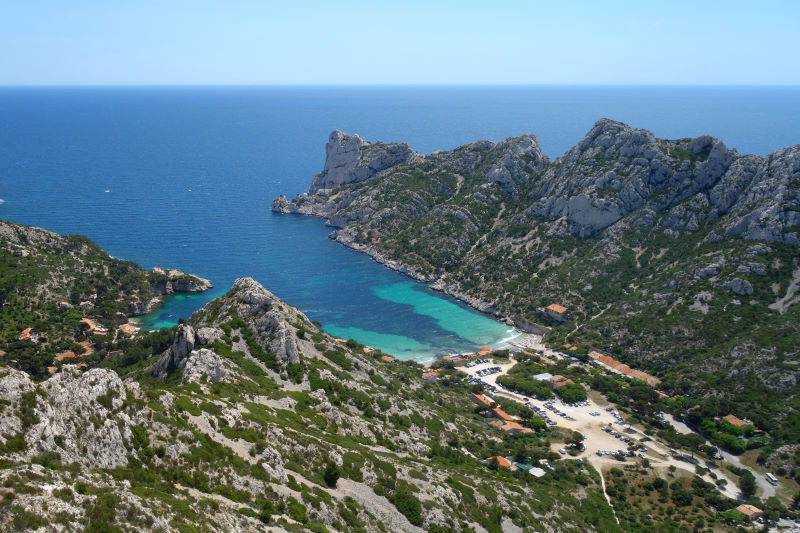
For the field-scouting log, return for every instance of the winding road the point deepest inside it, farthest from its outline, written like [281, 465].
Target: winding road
[767, 490]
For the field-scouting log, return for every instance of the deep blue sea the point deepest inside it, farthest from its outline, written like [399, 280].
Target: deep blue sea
[184, 177]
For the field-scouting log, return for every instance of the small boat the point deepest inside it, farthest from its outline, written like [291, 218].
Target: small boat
[107, 190]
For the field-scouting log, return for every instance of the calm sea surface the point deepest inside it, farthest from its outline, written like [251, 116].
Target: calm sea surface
[184, 177]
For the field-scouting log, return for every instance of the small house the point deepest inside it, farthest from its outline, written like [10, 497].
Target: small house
[556, 312]
[502, 462]
[512, 428]
[750, 511]
[66, 355]
[736, 421]
[559, 381]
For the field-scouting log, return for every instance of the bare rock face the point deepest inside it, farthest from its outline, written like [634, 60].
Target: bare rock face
[206, 336]
[140, 308]
[738, 286]
[350, 159]
[616, 170]
[517, 158]
[13, 385]
[267, 317]
[203, 363]
[80, 416]
[767, 209]
[707, 272]
[175, 357]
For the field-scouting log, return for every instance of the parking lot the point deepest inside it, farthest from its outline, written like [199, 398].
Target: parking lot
[589, 418]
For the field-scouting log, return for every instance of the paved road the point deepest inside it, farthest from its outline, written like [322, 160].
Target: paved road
[767, 490]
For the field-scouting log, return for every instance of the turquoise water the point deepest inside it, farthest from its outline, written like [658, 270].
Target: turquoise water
[191, 172]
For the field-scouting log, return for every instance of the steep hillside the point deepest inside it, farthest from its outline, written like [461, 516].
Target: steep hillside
[677, 256]
[252, 419]
[50, 282]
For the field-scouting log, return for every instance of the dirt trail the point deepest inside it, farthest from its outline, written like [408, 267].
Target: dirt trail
[781, 305]
[483, 237]
[459, 183]
[603, 486]
[378, 505]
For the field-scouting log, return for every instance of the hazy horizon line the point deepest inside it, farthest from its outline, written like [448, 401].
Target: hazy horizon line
[378, 85]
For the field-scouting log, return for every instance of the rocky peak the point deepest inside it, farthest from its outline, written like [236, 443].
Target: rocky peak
[350, 159]
[768, 206]
[516, 159]
[609, 139]
[269, 319]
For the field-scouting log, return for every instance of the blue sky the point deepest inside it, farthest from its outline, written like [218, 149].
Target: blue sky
[144, 42]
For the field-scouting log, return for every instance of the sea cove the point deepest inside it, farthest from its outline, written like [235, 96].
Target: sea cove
[184, 177]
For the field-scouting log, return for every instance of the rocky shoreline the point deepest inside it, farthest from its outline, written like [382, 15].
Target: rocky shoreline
[166, 283]
[341, 236]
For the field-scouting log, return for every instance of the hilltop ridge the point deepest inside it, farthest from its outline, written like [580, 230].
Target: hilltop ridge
[665, 252]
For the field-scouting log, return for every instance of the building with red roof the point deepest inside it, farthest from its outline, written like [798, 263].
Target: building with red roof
[502, 415]
[736, 421]
[556, 312]
[502, 462]
[480, 399]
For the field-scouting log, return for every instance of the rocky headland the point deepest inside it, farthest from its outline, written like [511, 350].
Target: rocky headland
[651, 244]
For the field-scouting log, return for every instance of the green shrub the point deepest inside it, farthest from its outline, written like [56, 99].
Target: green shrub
[331, 474]
[409, 505]
[297, 511]
[183, 403]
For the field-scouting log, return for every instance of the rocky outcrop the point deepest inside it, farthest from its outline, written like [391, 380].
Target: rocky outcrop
[79, 416]
[203, 364]
[139, 308]
[175, 357]
[614, 171]
[516, 159]
[266, 316]
[206, 336]
[617, 169]
[738, 286]
[173, 281]
[350, 159]
[768, 207]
